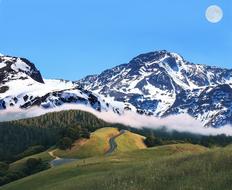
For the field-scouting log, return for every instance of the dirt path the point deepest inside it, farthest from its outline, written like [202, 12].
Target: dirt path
[113, 144]
[57, 161]
[51, 153]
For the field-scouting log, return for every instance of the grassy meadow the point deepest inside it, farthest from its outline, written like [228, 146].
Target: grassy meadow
[175, 167]
[132, 166]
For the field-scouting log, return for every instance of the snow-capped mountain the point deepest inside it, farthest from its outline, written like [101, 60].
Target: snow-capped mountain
[158, 83]
[161, 83]
[22, 86]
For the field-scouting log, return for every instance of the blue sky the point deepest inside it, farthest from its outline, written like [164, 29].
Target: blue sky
[73, 38]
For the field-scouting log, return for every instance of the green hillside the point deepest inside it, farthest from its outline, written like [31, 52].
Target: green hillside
[97, 145]
[25, 146]
[19, 164]
[178, 166]
[129, 141]
[17, 136]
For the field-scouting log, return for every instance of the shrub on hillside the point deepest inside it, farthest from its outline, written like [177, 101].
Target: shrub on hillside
[34, 165]
[151, 141]
[65, 143]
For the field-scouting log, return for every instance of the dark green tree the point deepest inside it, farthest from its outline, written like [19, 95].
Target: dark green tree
[65, 143]
[151, 141]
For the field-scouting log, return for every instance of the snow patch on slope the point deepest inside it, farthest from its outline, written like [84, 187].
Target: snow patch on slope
[19, 65]
[2, 65]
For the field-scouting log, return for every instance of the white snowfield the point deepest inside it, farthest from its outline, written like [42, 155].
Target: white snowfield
[31, 88]
[19, 89]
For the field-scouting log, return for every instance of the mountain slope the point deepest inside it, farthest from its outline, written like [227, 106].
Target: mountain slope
[158, 83]
[22, 86]
[162, 83]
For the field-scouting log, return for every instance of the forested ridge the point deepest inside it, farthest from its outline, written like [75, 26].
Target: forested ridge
[63, 119]
[46, 130]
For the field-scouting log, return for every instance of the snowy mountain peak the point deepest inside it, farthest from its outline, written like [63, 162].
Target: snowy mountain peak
[14, 68]
[156, 57]
[22, 87]
[160, 83]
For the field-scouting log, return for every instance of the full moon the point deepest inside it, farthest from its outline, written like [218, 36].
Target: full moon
[214, 14]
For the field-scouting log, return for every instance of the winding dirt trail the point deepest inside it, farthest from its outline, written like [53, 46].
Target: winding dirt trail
[113, 144]
[57, 161]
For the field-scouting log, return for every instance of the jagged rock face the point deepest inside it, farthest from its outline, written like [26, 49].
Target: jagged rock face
[14, 68]
[212, 105]
[162, 83]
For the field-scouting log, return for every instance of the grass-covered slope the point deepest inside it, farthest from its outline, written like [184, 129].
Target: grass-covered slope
[20, 164]
[179, 166]
[129, 141]
[26, 166]
[97, 145]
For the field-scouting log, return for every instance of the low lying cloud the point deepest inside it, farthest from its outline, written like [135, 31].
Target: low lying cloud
[180, 123]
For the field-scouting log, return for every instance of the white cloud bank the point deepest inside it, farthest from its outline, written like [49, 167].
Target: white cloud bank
[181, 123]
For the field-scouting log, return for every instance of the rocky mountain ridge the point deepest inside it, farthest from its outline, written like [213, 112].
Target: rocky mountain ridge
[158, 84]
